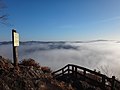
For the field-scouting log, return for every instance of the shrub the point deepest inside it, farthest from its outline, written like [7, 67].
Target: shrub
[30, 62]
[46, 69]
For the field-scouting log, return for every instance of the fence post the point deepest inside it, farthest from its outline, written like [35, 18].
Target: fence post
[113, 83]
[76, 72]
[103, 82]
[68, 69]
[63, 71]
[73, 70]
[84, 73]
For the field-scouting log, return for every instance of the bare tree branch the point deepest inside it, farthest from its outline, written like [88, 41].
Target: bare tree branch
[3, 16]
[106, 70]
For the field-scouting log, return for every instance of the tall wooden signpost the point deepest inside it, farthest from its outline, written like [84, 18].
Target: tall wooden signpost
[15, 43]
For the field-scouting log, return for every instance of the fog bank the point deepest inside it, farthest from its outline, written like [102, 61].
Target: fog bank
[93, 55]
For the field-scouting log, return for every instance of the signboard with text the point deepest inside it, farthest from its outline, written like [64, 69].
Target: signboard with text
[16, 39]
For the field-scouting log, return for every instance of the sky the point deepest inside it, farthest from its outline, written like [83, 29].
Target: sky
[62, 20]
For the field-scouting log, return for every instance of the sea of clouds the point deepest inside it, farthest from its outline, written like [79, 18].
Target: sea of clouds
[101, 55]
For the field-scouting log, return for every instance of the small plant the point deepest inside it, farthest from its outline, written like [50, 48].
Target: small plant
[30, 62]
[46, 69]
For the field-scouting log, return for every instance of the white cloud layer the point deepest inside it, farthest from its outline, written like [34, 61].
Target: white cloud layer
[93, 55]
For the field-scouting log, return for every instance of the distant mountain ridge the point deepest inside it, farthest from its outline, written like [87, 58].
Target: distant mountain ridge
[59, 42]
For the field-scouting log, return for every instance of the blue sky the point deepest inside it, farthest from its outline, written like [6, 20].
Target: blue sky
[62, 20]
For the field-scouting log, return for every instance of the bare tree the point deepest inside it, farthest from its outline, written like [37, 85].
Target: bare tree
[106, 70]
[3, 15]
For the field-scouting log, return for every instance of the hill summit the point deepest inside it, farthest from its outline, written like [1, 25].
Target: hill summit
[29, 76]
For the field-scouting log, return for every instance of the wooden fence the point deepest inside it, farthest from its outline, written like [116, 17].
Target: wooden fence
[91, 77]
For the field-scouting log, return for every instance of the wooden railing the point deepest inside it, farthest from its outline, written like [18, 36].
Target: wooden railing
[92, 77]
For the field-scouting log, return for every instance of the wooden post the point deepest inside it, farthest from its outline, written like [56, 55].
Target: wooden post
[73, 70]
[68, 70]
[84, 73]
[103, 82]
[15, 50]
[113, 83]
[76, 72]
[62, 71]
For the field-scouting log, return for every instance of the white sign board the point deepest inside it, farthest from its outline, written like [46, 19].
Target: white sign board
[16, 39]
